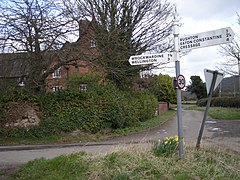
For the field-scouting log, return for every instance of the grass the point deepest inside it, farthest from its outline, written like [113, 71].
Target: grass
[220, 113]
[81, 137]
[154, 122]
[189, 102]
[135, 164]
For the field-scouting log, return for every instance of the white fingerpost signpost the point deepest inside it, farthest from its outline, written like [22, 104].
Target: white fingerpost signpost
[195, 41]
[186, 43]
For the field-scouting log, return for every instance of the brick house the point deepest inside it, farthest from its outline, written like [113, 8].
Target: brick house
[79, 55]
[85, 46]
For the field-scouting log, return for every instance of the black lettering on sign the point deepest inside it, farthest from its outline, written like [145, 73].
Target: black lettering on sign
[228, 35]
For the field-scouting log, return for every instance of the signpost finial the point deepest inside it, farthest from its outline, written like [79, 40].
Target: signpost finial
[175, 13]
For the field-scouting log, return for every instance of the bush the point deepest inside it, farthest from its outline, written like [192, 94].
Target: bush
[102, 106]
[129, 108]
[92, 80]
[232, 102]
[162, 87]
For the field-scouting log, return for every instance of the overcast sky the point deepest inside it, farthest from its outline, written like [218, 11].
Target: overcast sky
[200, 16]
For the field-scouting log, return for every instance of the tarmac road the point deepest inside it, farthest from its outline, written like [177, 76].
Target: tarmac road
[218, 133]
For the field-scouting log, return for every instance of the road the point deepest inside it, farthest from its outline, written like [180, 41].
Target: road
[218, 133]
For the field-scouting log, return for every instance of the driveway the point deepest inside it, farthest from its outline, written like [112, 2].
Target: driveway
[218, 133]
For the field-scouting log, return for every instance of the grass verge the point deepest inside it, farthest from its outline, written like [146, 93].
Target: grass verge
[220, 112]
[81, 137]
[189, 102]
[154, 122]
[135, 164]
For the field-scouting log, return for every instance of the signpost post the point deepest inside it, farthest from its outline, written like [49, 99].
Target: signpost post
[179, 100]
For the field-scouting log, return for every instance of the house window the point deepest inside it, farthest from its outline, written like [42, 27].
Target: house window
[57, 88]
[83, 87]
[57, 73]
[21, 82]
[92, 44]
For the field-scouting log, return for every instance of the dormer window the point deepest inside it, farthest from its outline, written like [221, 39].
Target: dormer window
[92, 44]
[57, 73]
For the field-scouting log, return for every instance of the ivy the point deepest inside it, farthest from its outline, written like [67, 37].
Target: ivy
[100, 107]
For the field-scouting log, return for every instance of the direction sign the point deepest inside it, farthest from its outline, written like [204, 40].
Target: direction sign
[151, 58]
[181, 81]
[205, 39]
[209, 76]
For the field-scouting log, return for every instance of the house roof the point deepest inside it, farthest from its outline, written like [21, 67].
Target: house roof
[230, 84]
[13, 65]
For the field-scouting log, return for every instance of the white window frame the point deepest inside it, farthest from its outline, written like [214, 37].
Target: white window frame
[57, 88]
[92, 43]
[83, 87]
[21, 82]
[57, 73]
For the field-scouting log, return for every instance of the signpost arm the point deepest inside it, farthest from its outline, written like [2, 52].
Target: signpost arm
[179, 101]
[215, 73]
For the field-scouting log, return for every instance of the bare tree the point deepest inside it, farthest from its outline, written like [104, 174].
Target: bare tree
[123, 28]
[232, 53]
[33, 29]
[36, 29]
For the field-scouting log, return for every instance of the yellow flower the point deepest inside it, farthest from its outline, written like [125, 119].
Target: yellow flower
[166, 139]
[176, 138]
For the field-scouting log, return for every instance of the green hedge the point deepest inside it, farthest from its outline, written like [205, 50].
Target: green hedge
[94, 110]
[233, 102]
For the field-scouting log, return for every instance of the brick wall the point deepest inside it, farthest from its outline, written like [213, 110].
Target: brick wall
[162, 107]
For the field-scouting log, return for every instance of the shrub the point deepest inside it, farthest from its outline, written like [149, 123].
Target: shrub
[92, 80]
[162, 87]
[232, 102]
[129, 108]
[94, 110]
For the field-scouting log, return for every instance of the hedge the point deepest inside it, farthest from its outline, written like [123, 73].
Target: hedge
[232, 102]
[92, 111]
